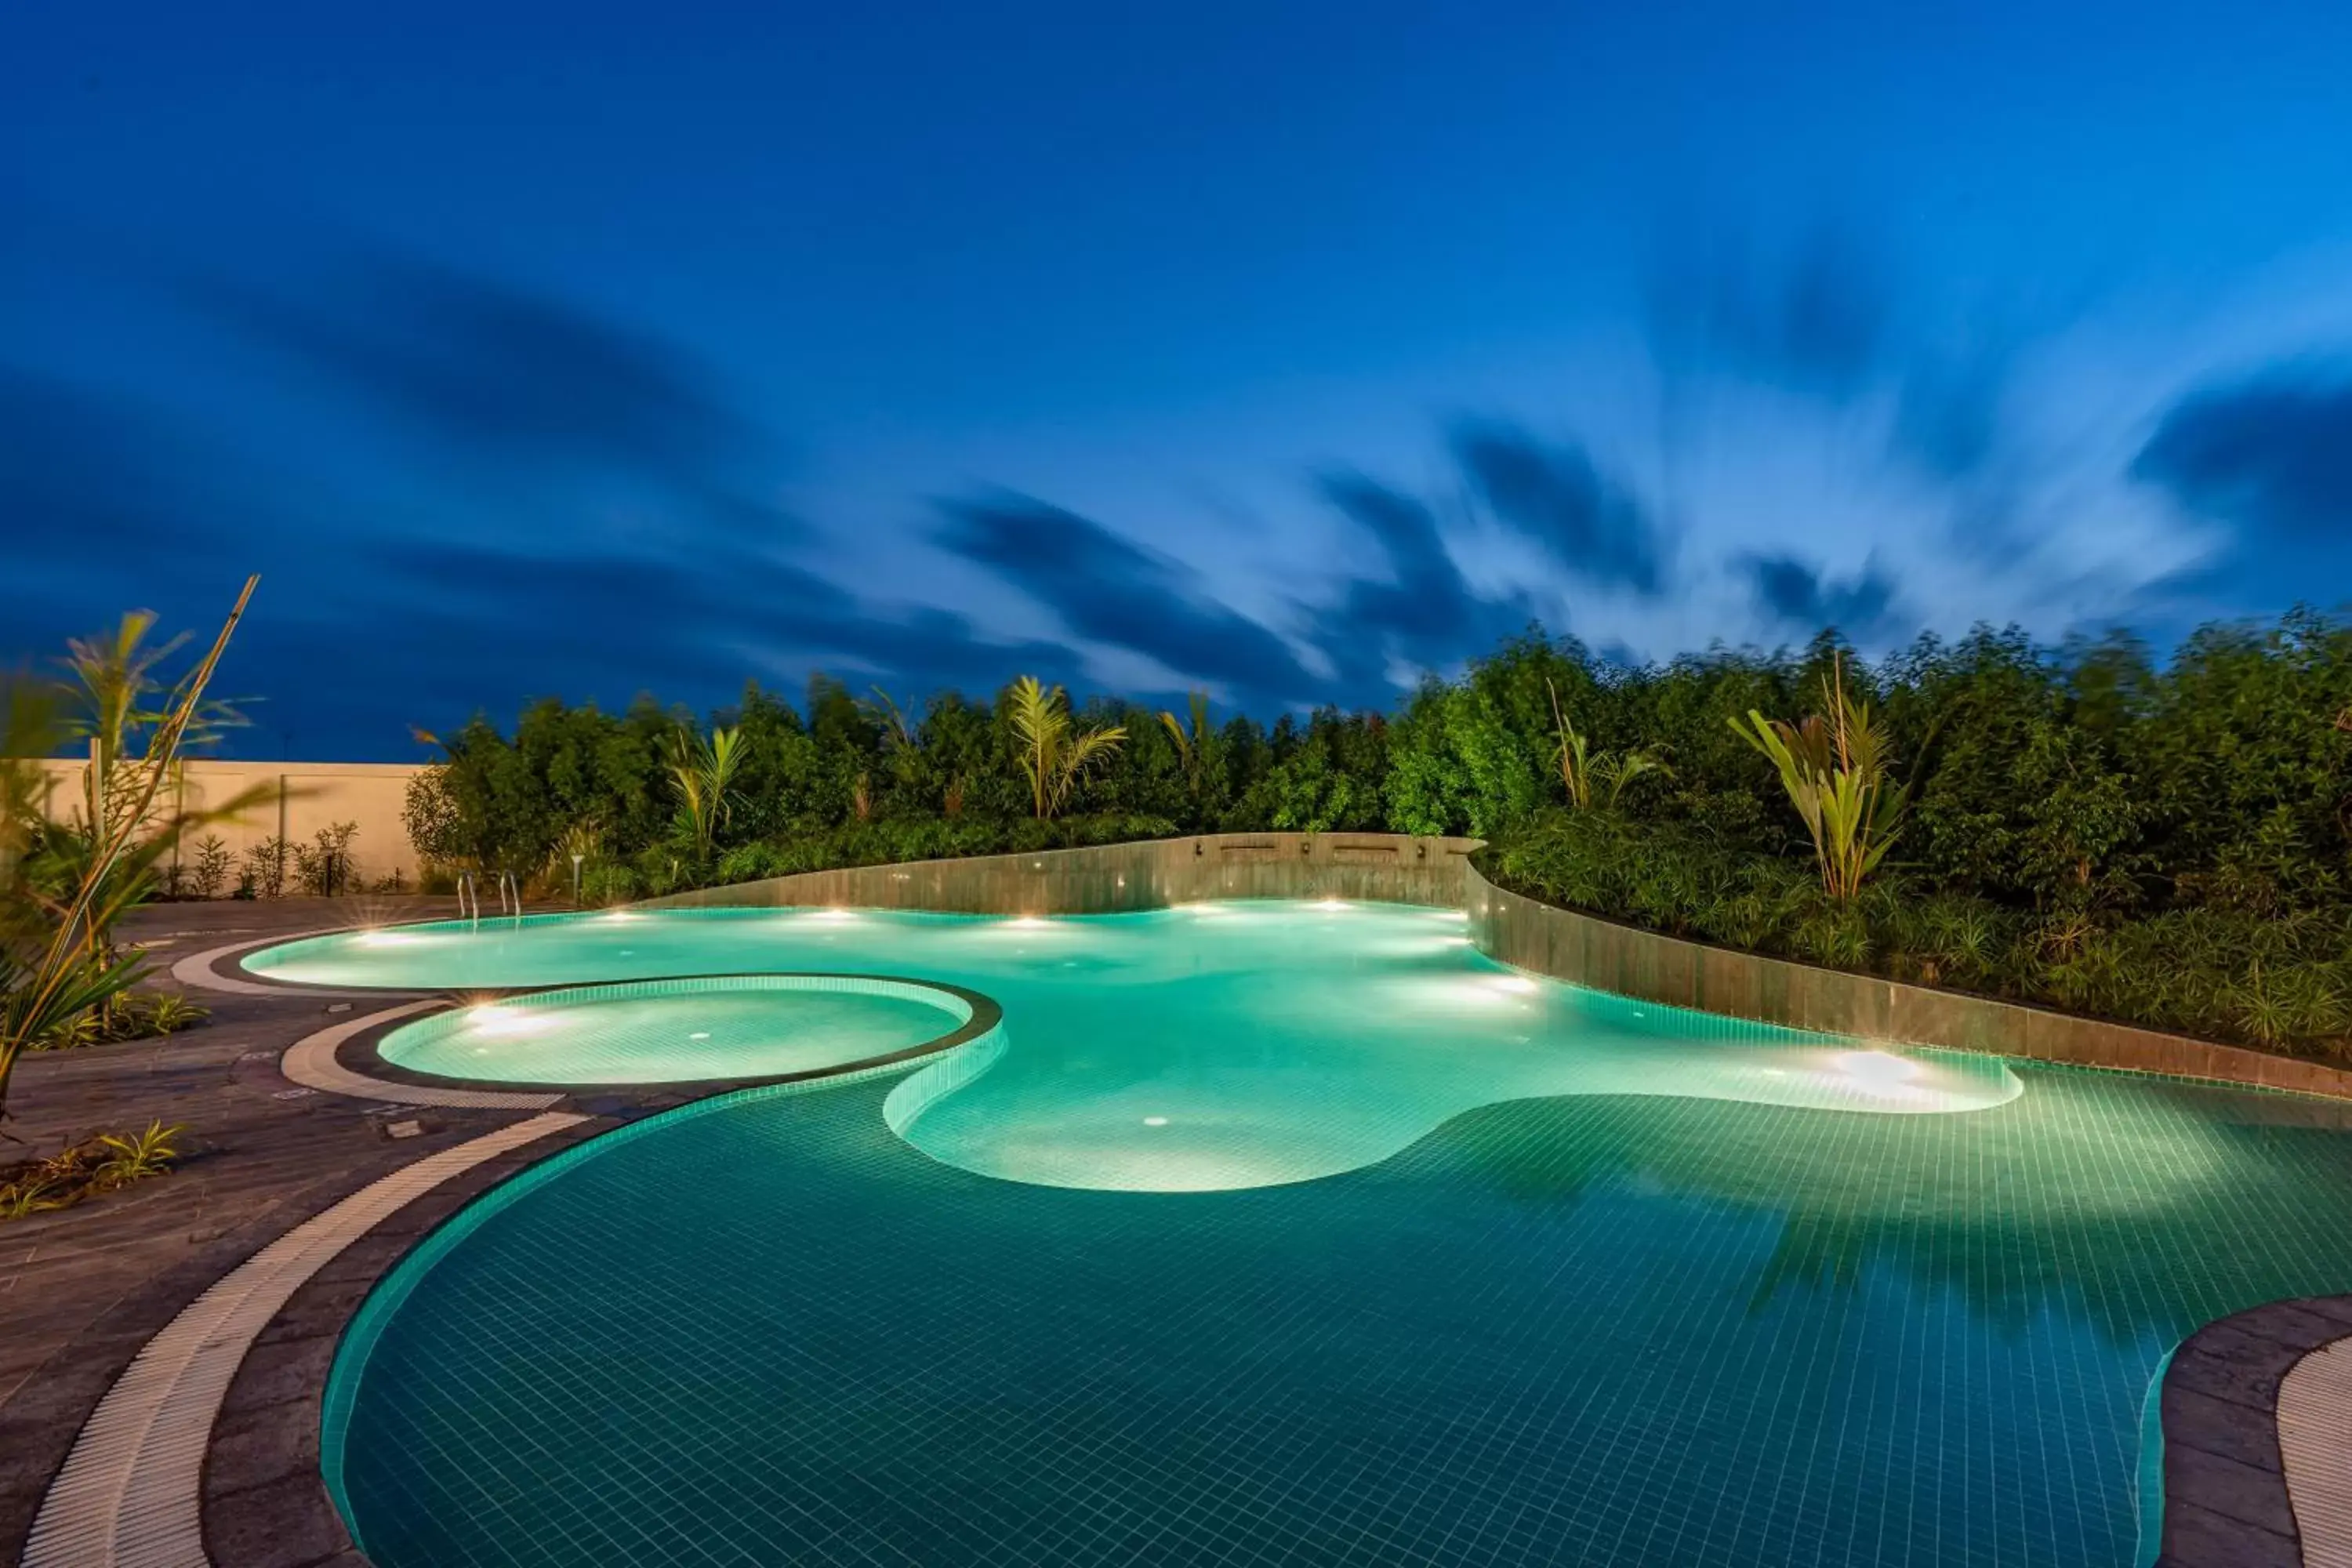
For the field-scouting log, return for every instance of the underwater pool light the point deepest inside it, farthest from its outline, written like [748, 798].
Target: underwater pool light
[1155, 1121]
[500, 1022]
[1877, 1072]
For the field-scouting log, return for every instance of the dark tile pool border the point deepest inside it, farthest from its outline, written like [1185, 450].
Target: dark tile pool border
[361, 1053]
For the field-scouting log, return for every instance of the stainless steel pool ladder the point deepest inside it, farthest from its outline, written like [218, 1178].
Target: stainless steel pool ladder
[469, 898]
[510, 887]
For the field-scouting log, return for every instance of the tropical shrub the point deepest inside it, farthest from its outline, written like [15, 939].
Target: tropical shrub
[63, 887]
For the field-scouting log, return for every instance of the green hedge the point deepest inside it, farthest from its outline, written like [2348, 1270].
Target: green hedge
[2276, 981]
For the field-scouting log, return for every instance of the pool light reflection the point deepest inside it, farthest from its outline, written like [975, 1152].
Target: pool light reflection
[503, 1023]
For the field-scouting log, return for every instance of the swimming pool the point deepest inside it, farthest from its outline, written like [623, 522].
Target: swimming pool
[1282, 1233]
[1214, 1046]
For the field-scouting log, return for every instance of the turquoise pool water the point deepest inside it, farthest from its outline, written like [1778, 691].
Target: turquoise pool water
[1214, 1045]
[677, 1031]
[1467, 1273]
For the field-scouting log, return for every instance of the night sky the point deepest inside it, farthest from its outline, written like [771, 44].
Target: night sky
[1288, 350]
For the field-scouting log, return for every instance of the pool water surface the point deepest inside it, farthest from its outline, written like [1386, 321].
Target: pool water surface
[1276, 1234]
[1214, 1046]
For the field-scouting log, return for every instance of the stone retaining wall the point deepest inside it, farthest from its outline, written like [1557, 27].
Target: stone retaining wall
[1388, 867]
[1610, 957]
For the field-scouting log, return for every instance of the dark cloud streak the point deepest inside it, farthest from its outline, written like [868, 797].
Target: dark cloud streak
[1109, 590]
[1552, 493]
[1804, 597]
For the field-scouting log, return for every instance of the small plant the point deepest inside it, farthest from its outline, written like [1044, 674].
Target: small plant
[137, 1156]
[324, 863]
[29, 1195]
[88, 1028]
[208, 873]
[167, 1012]
[1834, 770]
[1581, 774]
[86, 1170]
[264, 869]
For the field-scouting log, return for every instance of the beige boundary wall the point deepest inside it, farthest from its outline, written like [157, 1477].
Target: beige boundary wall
[1386, 867]
[300, 799]
[1610, 957]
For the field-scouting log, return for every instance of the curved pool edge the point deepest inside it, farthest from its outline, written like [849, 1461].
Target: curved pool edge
[976, 1013]
[343, 1057]
[2224, 1501]
[347, 1369]
[2175, 1500]
[1627, 961]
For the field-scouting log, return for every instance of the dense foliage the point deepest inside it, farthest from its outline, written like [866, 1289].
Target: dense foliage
[2162, 841]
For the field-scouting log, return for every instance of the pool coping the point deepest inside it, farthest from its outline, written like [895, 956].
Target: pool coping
[264, 1496]
[2226, 1500]
[130, 1490]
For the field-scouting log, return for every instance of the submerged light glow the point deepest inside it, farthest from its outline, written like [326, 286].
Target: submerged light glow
[1272, 1042]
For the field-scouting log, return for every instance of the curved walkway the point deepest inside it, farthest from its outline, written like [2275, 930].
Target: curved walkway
[2255, 1477]
[312, 1062]
[2315, 1427]
[129, 1496]
[197, 970]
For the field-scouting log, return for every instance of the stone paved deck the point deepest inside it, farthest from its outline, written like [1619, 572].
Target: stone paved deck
[82, 1289]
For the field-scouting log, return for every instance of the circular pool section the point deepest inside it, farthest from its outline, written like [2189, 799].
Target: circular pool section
[731, 1026]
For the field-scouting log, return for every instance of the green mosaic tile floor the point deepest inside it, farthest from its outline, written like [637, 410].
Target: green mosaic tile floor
[1592, 1329]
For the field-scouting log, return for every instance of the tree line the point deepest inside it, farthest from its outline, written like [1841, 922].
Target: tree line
[2087, 825]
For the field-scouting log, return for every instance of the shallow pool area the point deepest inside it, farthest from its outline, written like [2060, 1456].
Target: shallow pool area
[1287, 1233]
[678, 1031]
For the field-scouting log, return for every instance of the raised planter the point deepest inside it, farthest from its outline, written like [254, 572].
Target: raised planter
[1664, 969]
[1390, 868]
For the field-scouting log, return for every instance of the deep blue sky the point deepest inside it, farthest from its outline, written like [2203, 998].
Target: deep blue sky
[1288, 350]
